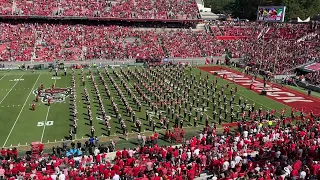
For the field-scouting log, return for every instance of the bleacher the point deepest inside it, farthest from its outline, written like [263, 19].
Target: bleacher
[146, 9]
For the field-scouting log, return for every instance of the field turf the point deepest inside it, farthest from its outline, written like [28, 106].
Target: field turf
[20, 125]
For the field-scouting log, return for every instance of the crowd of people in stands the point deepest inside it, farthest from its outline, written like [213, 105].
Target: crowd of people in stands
[280, 48]
[277, 51]
[254, 151]
[48, 42]
[181, 44]
[146, 9]
[312, 78]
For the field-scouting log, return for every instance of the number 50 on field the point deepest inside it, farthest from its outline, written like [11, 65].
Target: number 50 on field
[42, 123]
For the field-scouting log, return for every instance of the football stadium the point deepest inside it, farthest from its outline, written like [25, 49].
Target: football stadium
[158, 90]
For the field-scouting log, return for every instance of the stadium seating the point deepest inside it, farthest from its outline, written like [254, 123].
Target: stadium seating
[17, 42]
[235, 30]
[181, 43]
[48, 42]
[288, 31]
[281, 49]
[255, 152]
[145, 9]
[312, 78]
[209, 45]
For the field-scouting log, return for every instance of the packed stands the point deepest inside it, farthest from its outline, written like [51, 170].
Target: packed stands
[277, 52]
[281, 55]
[216, 30]
[293, 31]
[145, 9]
[312, 78]
[254, 151]
[288, 31]
[236, 30]
[181, 43]
[48, 42]
[17, 42]
[209, 45]
[6, 7]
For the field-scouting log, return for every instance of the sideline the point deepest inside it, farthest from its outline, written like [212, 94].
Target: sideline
[20, 112]
[10, 89]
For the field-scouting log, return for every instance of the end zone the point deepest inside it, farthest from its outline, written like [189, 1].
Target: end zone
[282, 95]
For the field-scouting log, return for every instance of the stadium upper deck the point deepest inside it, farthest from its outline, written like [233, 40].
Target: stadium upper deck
[129, 9]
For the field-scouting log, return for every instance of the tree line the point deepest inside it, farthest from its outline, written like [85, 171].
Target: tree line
[247, 9]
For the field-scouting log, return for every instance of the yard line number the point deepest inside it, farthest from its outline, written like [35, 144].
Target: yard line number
[42, 123]
[55, 78]
[16, 80]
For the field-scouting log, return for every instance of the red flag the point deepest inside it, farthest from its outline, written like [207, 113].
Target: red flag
[207, 61]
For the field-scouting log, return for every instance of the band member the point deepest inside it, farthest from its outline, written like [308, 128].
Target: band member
[154, 126]
[70, 134]
[92, 130]
[138, 124]
[75, 128]
[108, 129]
[181, 123]
[39, 92]
[220, 119]
[123, 128]
[33, 107]
[90, 120]
[232, 117]
[195, 122]
[167, 123]
[134, 117]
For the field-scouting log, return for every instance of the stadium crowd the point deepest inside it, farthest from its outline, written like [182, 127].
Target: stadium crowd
[312, 78]
[146, 9]
[288, 149]
[280, 49]
[254, 151]
[47, 42]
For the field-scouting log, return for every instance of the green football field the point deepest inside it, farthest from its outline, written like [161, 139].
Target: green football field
[20, 125]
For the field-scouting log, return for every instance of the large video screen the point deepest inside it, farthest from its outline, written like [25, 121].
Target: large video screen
[271, 13]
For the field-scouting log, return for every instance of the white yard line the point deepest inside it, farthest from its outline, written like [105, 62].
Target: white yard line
[3, 77]
[24, 104]
[10, 90]
[44, 126]
[45, 121]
